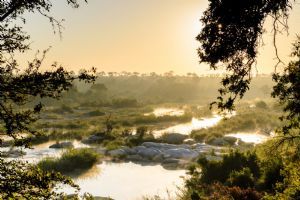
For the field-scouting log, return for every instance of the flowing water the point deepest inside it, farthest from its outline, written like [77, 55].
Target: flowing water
[194, 124]
[187, 128]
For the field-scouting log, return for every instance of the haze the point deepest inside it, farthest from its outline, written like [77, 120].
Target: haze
[136, 35]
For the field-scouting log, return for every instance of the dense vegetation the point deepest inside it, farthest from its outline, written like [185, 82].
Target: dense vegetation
[72, 160]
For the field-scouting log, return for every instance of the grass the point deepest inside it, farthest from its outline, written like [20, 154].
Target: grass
[71, 161]
[253, 120]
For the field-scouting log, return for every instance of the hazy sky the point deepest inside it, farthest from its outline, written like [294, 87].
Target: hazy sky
[135, 35]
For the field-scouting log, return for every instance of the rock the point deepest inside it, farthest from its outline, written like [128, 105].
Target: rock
[173, 138]
[117, 153]
[139, 148]
[149, 152]
[202, 148]
[134, 158]
[181, 153]
[130, 151]
[159, 145]
[93, 139]
[171, 161]
[158, 158]
[61, 145]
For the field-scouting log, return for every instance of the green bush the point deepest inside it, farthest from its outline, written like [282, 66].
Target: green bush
[243, 178]
[261, 104]
[220, 171]
[71, 161]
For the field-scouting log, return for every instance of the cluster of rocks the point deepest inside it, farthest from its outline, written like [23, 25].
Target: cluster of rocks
[97, 138]
[169, 155]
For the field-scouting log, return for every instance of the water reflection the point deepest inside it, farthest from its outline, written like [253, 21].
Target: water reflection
[187, 128]
[159, 112]
[129, 181]
[195, 124]
[255, 138]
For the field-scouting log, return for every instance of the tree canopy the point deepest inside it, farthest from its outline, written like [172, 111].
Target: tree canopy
[230, 40]
[19, 86]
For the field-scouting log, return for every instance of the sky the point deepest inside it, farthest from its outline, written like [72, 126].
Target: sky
[136, 35]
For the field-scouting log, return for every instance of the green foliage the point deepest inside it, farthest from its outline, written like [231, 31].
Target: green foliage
[242, 178]
[271, 174]
[142, 135]
[73, 160]
[220, 171]
[245, 121]
[287, 89]
[20, 180]
[230, 38]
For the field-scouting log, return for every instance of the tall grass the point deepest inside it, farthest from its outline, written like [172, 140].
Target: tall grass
[72, 160]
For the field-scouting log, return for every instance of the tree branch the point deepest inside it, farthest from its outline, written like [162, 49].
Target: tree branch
[17, 5]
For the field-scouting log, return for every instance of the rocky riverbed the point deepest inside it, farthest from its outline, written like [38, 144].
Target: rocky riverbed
[168, 155]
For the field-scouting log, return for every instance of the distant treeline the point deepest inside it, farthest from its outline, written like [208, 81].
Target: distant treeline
[128, 90]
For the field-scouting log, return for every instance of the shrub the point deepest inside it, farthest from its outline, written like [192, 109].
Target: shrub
[71, 161]
[219, 171]
[243, 178]
[261, 104]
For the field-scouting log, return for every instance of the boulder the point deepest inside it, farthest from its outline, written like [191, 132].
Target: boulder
[62, 145]
[171, 161]
[181, 153]
[148, 152]
[93, 139]
[136, 158]
[117, 153]
[159, 145]
[202, 148]
[173, 138]
[158, 158]
[130, 151]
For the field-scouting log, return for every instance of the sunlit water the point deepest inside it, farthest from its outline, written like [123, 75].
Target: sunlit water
[120, 181]
[195, 124]
[255, 138]
[159, 112]
[40, 151]
[187, 128]
[129, 181]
